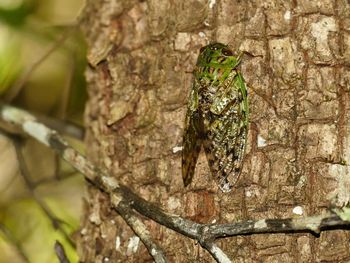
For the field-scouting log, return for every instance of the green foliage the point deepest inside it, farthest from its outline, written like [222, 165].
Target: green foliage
[16, 16]
[9, 66]
[42, 61]
[32, 228]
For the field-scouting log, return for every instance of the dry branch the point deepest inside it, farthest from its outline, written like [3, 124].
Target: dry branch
[61, 254]
[124, 200]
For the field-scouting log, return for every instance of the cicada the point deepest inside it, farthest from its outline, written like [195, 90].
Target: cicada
[217, 116]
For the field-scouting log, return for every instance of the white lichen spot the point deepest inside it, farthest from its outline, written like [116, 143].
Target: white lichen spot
[83, 231]
[116, 199]
[341, 195]
[105, 259]
[113, 221]
[302, 180]
[182, 41]
[225, 188]
[70, 154]
[312, 223]
[110, 182]
[248, 194]
[287, 15]
[261, 141]
[103, 236]
[153, 252]
[133, 245]
[38, 131]
[214, 221]
[117, 243]
[206, 23]
[177, 149]
[346, 147]
[221, 256]
[14, 115]
[212, 3]
[320, 29]
[260, 224]
[173, 203]
[298, 210]
[202, 34]
[95, 218]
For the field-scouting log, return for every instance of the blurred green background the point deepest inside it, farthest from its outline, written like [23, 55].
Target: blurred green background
[42, 61]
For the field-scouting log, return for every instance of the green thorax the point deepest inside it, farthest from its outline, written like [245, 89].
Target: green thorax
[214, 64]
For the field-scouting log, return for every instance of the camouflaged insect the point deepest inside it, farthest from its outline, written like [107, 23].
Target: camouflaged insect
[217, 117]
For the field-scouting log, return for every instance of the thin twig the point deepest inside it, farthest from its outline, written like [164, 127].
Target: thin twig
[12, 240]
[205, 234]
[61, 253]
[63, 126]
[19, 84]
[133, 220]
[62, 176]
[217, 253]
[56, 222]
[314, 224]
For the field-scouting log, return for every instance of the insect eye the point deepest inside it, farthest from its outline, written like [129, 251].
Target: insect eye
[227, 52]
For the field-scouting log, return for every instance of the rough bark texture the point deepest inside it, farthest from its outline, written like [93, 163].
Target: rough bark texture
[296, 64]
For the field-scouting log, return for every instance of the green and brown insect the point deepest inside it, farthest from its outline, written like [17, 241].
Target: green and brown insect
[217, 116]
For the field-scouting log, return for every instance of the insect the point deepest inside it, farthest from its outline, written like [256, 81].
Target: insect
[217, 116]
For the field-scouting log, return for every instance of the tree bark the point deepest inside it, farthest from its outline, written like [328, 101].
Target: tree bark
[296, 64]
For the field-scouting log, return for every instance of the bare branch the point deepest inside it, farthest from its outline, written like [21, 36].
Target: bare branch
[141, 231]
[311, 224]
[217, 253]
[205, 234]
[62, 126]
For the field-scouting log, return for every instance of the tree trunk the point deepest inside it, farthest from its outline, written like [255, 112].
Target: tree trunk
[296, 64]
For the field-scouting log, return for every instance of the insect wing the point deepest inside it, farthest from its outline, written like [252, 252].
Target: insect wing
[225, 137]
[192, 138]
